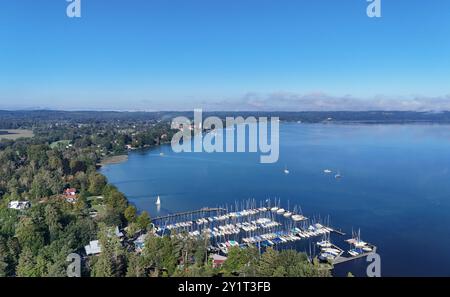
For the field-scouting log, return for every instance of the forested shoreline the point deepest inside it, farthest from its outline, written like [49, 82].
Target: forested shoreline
[63, 156]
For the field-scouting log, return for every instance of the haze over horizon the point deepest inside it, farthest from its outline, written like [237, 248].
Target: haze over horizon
[262, 55]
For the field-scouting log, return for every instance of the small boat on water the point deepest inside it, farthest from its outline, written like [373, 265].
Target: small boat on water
[287, 214]
[367, 249]
[298, 218]
[356, 240]
[327, 171]
[332, 251]
[329, 254]
[324, 244]
[354, 252]
[223, 248]
[326, 256]
[158, 201]
[286, 171]
[360, 246]
[280, 211]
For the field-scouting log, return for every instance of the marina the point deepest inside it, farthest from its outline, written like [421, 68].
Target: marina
[246, 225]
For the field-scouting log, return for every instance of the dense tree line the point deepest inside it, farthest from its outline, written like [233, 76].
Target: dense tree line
[48, 118]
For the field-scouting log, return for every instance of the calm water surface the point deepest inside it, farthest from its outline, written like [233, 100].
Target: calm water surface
[395, 186]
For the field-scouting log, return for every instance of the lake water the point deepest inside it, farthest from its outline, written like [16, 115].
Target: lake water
[395, 186]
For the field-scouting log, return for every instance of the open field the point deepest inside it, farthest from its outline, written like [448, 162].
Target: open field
[14, 134]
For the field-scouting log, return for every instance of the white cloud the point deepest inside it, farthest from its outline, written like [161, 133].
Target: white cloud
[285, 101]
[277, 101]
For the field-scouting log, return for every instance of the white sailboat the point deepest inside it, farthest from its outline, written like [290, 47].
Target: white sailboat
[325, 242]
[158, 201]
[286, 171]
[280, 211]
[287, 214]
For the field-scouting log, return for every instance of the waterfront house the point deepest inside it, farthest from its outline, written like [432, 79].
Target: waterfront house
[139, 242]
[218, 260]
[19, 205]
[93, 248]
[114, 231]
[117, 232]
[70, 194]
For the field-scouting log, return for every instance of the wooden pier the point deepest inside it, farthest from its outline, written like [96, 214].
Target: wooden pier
[218, 210]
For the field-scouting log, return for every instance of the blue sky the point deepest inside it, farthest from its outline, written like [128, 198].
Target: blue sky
[217, 54]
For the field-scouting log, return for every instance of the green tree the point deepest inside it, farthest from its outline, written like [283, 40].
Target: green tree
[115, 203]
[280, 271]
[240, 262]
[143, 220]
[169, 257]
[267, 263]
[30, 236]
[112, 260]
[52, 218]
[8, 219]
[153, 253]
[3, 258]
[130, 214]
[97, 182]
[27, 264]
[77, 166]
[38, 154]
[136, 266]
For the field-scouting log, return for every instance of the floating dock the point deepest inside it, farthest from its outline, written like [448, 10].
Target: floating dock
[337, 231]
[204, 210]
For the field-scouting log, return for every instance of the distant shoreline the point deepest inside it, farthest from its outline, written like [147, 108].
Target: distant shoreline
[28, 118]
[110, 160]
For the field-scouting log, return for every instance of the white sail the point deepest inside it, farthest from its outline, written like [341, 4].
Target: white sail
[158, 201]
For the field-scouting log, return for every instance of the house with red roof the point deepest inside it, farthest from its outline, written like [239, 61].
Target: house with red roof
[70, 194]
